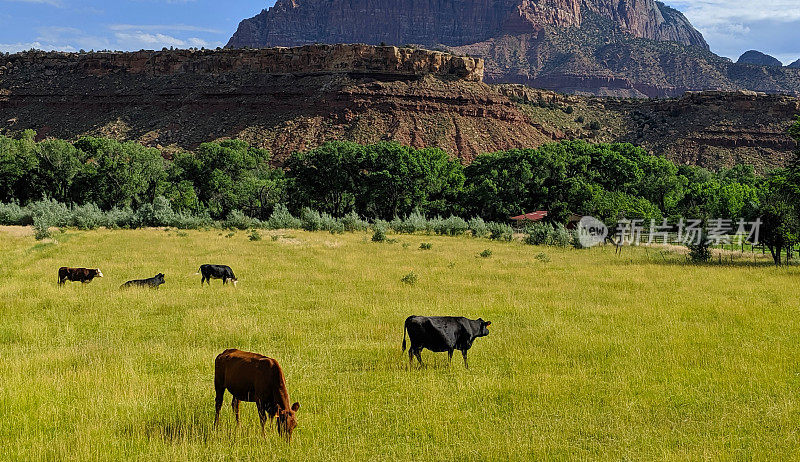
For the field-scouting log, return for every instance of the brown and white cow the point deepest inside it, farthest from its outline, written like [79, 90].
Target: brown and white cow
[252, 377]
[82, 275]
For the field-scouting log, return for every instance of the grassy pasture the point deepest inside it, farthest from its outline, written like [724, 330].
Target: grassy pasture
[590, 356]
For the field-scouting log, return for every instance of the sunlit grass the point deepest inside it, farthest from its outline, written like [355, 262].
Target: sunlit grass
[590, 355]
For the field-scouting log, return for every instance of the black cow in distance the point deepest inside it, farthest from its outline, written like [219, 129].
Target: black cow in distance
[442, 333]
[223, 272]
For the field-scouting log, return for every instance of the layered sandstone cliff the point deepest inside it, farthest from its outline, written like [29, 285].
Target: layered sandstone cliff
[293, 99]
[450, 22]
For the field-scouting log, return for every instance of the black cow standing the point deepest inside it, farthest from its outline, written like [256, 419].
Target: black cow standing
[223, 272]
[442, 333]
[152, 283]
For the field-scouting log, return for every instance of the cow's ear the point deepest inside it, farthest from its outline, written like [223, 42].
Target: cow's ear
[488, 323]
[296, 407]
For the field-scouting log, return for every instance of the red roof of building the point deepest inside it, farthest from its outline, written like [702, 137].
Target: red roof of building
[535, 216]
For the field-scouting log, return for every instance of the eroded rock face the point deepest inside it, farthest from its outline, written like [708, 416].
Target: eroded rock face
[307, 60]
[177, 100]
[451, 22]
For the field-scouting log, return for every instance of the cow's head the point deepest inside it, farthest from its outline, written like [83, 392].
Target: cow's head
[97, 273]
[160, 277]
[234, 281]
[482, 330]
[287, 421]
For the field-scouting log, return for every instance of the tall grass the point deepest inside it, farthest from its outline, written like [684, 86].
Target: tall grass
[590, 356]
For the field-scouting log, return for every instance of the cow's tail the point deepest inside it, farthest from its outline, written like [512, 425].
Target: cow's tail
[405, 328]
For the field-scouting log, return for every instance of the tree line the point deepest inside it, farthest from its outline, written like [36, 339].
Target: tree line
[388, 180]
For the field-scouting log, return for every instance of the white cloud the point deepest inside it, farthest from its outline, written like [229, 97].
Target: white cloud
[163, 27]
[732, 27]
[138, 40]
[705, 13]
[56, 3]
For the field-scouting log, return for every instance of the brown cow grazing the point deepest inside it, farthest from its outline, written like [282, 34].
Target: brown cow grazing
[252, 377]
[82, 275]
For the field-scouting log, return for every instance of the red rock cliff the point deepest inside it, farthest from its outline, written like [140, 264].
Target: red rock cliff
[451, 22]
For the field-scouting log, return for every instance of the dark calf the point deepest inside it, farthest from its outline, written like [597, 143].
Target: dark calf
[152, 283]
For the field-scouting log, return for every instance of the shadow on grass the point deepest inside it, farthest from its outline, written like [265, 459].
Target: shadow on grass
[175, 427]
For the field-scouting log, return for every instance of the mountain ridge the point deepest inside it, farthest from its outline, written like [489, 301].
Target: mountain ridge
[621, 48]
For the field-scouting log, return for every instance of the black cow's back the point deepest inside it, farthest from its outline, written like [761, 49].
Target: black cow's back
[436, 333]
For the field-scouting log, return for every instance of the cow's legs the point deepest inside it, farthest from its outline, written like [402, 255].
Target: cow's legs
[224, 281]
[464, 353]
[450, 357]
[218, 403]
[235, 406]
[418, 354]
[262, 414]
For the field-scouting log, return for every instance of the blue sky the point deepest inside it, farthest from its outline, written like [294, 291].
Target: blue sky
[730, 26]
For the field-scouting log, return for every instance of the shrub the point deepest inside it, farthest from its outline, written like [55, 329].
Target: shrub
[88, 216]
[453, 226]
[547, 234]
[478, 227]
[396, 224]
[50, 212]
[426, 246]
[121, 218]
[310, 219]
[500, 231]
[486, 253]
[561, 236]
[188, 221]
[538, 233]
[410, 278]
[379, 235]
[542, 257]
[12, 214]
[594, 125]
[254, 235]
[331, 224]
[700, 251]
[238, 220]
[569, 110]
[282, 219]
[580, 119]
[352, 222]
[41, 228]
[415, 222]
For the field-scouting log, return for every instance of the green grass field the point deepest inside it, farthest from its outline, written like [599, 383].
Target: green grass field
[590, 356]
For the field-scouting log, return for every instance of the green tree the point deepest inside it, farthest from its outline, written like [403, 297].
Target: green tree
[223, 177]
[381, 180]
[17, 163]
[118, 174]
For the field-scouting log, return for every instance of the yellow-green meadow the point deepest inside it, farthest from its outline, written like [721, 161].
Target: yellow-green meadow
[590, 355]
